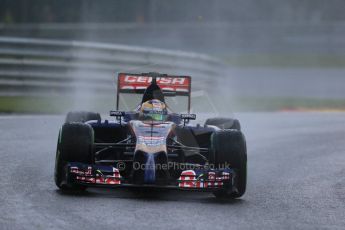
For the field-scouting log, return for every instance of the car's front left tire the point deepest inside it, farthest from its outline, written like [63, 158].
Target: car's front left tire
[229, 149]
[224, 123]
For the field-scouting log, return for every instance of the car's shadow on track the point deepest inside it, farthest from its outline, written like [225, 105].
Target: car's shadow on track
[153, 195]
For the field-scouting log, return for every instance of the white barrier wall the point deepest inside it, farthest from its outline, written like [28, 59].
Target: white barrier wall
[42, 67]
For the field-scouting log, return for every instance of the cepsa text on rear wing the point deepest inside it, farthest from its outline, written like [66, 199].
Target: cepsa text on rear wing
[171, 85]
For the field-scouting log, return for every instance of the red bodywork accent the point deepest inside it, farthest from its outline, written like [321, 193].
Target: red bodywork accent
[87, 177]
[188, 180]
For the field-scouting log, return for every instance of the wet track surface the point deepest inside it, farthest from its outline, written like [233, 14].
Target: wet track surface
[296, 168]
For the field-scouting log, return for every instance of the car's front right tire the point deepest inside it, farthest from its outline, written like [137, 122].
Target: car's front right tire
[82, 116]
[75, 144]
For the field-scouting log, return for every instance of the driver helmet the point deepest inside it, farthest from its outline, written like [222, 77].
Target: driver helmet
[154, 110]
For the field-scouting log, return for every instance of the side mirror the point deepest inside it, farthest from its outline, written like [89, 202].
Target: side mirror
[117, 115]
[187, 117]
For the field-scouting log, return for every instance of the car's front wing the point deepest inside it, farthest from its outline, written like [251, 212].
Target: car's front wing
[203, 179]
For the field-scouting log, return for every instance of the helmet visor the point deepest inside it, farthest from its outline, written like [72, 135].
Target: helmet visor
[154, 115]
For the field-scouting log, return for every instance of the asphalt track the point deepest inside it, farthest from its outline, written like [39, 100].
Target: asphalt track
[296, 166]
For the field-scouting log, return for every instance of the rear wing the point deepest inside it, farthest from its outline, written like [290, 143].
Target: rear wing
[129, 83]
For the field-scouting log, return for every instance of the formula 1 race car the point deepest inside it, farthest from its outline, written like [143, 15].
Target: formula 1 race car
[150, 145]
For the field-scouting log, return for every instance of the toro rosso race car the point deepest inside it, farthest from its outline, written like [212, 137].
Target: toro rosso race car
[151, 145]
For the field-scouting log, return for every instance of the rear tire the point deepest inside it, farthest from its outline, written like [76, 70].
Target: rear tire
[75, 144]
[82, 117]
[229, 148]
[224, 123]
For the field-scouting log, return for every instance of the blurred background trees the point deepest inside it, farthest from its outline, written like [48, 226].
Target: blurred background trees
[268, 31]
[81, 11]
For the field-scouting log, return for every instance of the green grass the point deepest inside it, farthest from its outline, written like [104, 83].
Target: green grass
[26, 105]
[53, 105]
[61, 105]
[276, 104]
